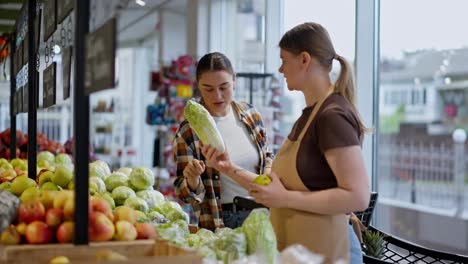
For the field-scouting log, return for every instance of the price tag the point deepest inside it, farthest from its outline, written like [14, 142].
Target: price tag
[26, 98]
[100, 58]
[50, 18]
[26, 49]
[37, 29]
[49, 85]
[66, 71]
[64, 7]
[20, 100]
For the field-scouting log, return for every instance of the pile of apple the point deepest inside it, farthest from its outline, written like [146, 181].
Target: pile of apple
[49, 219]
[55, 174]
[10, 169]
[43, 144]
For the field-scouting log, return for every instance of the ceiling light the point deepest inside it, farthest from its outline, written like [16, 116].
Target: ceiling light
[140, 2]
[56, 49]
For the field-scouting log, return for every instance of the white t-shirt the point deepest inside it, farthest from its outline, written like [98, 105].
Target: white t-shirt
[242, 152]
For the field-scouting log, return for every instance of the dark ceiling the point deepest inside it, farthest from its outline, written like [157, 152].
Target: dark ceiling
[9, 11]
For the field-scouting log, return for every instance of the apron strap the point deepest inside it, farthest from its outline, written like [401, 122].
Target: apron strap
[317, 106]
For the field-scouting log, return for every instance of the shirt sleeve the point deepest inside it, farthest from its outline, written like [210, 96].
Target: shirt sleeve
[337, 128]
[183, 154]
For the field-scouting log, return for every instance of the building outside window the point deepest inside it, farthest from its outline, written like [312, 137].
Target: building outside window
[422, 162]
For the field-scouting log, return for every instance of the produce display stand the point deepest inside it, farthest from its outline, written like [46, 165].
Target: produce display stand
[138, 251]
[85, 83]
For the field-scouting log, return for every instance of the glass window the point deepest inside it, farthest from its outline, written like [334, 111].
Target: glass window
[422, 159]
[340, 23]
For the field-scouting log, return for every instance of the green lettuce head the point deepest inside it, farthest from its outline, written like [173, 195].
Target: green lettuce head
[122, 193]
[137, 203]
[141, 178]
[115, 180]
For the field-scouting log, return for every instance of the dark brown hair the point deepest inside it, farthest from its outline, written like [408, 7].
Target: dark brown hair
[214, 61]
[314, 39]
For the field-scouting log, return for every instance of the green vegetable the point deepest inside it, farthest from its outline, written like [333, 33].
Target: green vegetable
[172, 211]
[100, 169]
[46, 156]
[261, 238]
[204, 125]
[141, 178]
[175, 232]
[63, 159]
[115, 180]
[151, 197]
[96, 185]
[137, 203]
[122, 193]
[230, 246]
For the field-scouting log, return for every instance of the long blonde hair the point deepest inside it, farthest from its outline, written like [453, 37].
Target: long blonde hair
[314, 39]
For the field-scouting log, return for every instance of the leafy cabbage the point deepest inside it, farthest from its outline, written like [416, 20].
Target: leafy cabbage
[115, 180]
[261, 238]
[141, 178]
[100, 169]
[122, 193]
[152, 197]
[137, 203]
[204, 125]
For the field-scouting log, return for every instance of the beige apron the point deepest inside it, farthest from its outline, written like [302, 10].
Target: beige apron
[323, 234]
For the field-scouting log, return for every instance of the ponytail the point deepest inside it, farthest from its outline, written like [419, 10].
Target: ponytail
[344, 86]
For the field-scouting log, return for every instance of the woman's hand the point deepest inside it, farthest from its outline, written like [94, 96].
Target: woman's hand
[192, 172]
[272, 195]
[218, 160]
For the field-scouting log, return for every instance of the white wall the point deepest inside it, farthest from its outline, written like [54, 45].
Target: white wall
[173, 40]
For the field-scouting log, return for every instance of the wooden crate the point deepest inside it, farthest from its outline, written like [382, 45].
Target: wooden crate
[145, 251]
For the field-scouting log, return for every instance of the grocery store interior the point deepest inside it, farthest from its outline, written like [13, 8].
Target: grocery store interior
[125, 69]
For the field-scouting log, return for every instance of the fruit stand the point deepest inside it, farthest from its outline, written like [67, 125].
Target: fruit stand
[61, 208]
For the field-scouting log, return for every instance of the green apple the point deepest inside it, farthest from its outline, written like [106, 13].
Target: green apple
[50, 186]
[20, 184]
[5, 186]
[45, 177]
[62, 176]
[31, 193]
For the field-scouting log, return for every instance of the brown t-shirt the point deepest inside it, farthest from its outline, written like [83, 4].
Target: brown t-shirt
[335, 125]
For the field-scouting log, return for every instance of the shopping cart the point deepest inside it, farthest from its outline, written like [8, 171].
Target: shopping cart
[397, 250]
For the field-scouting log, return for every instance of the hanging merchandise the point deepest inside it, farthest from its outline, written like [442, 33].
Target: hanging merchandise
[155, 112]
[4, 47]
[174, 85]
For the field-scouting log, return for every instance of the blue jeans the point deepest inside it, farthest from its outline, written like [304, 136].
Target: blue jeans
[234, 219]
[355, 247]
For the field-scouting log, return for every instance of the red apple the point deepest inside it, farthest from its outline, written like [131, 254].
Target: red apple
[10, 236]
[54, 217]
[66, 232]
[145, 231]
[101, 228]
[38, 232]
[100, 205]
[31, 211]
